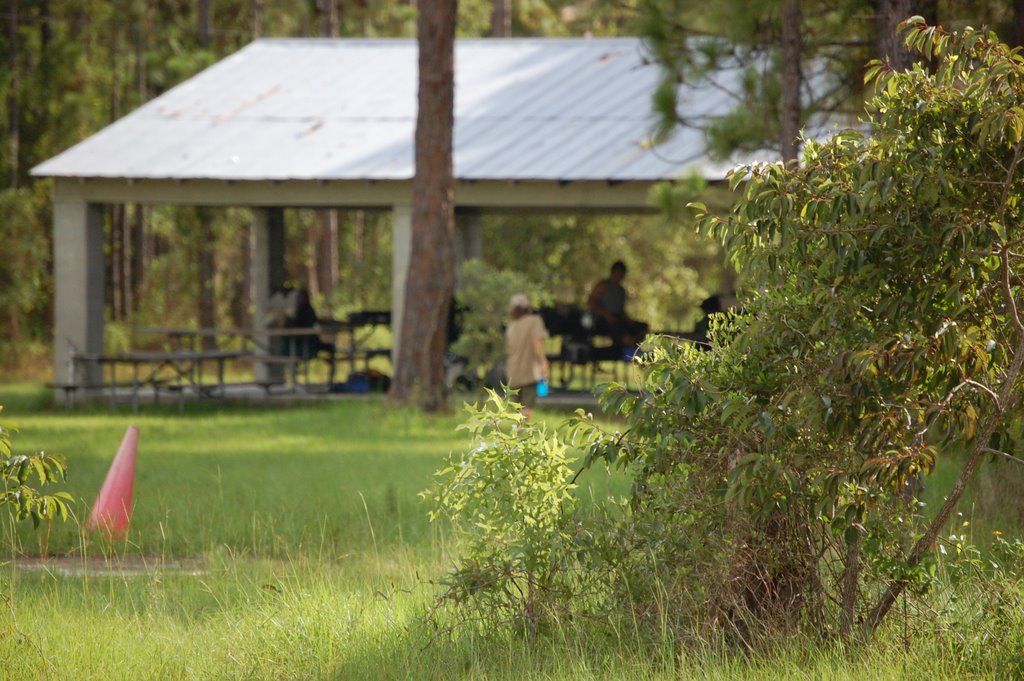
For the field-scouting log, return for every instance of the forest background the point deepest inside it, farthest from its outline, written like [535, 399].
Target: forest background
[71, 67]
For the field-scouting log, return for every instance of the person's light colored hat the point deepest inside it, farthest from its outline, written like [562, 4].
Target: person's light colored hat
[519, 300]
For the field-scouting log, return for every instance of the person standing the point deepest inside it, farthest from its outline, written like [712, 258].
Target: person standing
[526, 363]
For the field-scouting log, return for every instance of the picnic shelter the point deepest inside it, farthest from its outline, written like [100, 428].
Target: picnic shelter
[540, 124]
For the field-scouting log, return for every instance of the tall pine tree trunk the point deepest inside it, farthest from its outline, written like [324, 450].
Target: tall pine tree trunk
[888, 44]
[45, 26]
[330, 17]
[419, 374]
[929, 10]
[205, 24]
[207, 271]
[792, 50]
[110, 265]
[358, 258]
[327, 252]
[205, 245]
[257, 18]
[118, 256]
[136, 237]
[326, 261]
[501, 19]
[241, 284]
[138, 240]
[242, 293]
[14, 114]
[1018, 23]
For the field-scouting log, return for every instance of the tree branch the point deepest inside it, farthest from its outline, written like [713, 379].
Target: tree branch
[1004, 265]
[1008, 457]
[851, 575]
[980, 448]
[1004, 257]
[984, 388]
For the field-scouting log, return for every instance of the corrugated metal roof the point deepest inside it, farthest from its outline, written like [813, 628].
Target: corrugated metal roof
[322, 109]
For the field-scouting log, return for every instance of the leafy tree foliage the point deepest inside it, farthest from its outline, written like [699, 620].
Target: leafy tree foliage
[885, 335]
[808, 54]
[781, 47]
[19, 496]
[774, 474]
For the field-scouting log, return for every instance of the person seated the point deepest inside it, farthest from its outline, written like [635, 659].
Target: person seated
[607, 302]
[290, 308]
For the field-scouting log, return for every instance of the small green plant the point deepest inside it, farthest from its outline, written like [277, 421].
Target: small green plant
[483, 297]
[19, 496]
[510, 501]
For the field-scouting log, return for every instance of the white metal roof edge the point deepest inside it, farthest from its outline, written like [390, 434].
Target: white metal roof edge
[648, 167]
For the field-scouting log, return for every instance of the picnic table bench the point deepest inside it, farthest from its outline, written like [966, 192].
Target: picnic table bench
[285, 354]
[174, 371]
[178, 360]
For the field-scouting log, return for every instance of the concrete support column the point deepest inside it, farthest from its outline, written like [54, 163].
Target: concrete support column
[267, 275]
[79, 287]
[401, 241]
[469, 236]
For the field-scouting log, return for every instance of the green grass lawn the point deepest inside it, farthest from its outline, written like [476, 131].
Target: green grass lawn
[290, 543]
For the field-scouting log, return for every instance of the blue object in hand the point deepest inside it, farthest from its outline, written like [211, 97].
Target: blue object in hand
[542, 388]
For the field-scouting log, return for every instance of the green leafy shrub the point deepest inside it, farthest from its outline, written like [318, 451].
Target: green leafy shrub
[20, 497]
[884, 332]
[774, 474]
[510, 501]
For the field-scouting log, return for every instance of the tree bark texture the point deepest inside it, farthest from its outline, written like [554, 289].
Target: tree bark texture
[257, 18]
[204, 23]
[45, 27]
[327, 249]
[851, 576]
[14, 117]
[242, 284]
[888, 44]
[330, 18]
[111, 234]
[120, 252]
[792, 49]
[138, 230]
[419, 373]
[207, 272]
[501, 19]
[1018, 24]
[929, 10]
[327, 252]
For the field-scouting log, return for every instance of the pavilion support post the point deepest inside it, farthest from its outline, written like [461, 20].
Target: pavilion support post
[267, 275]
[469, 237]
[79, 290]
[401, 240]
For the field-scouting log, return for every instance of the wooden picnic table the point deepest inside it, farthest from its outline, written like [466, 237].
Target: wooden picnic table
[175, 370]
[266, 346]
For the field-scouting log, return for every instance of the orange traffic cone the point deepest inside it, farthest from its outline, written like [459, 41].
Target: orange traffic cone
[113, 508]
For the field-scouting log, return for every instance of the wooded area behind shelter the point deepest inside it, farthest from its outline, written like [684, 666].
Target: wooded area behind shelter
[74, 67]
